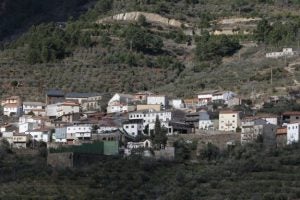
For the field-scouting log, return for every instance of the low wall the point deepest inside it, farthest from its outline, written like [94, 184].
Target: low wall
[60, 160]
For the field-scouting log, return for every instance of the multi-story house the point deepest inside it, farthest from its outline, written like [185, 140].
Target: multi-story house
[12, 106]
[60, 109]
[293, 132]
[37, 108]
[121, 103]
[133, 127]
[204, 121]
[161, 100]
[229, 120]
[79, 132]
[54, 96]
[87, 101]
[149, 118]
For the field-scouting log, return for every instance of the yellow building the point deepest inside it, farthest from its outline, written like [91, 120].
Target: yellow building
[229, 120]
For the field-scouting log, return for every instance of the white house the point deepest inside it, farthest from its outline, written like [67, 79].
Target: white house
[104, 129]
[223, 96]
[37, 108]
[204, 121]
[286, 52]
[12, 106]
[67, 107]
[120, 103]
[27, 126]
[293, 132]
[205, 97]
[149, 118]
[79, 132]
[60, 109]
[135, 145]
[157, 99]
[133, 127]
[177, 103]
[229, 120]
[40, 134]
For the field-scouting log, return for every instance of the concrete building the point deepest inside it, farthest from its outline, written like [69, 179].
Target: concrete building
[229, 120]
[60, 109]
[281, 136]
[37, 108]
[134, 127]
[87, 101]
[206, 97]
[121, 103]
[142, 96]
[204, 121]
[286, 52]
[12, 106]
[42, 134]
[293, 131]
[54, 96]
[177, 103]
[20, 140]
[223, 96]
[60, 135]
[149, 117]
[159, 100]
[290, 117]
[79, 132]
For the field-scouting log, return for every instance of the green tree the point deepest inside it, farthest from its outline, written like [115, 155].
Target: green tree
[159, 136]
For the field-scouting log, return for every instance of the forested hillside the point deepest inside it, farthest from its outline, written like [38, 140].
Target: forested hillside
[70, 49]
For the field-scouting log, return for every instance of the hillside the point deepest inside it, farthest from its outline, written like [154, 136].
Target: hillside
[170, 53]
[250, 172]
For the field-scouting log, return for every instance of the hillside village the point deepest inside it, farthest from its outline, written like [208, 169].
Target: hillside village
[143, 123]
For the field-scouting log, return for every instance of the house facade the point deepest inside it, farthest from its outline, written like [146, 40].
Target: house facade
[229, 120]
[87, 101]
[148, 117]
[133, 127]
[121, 103]
[79, 132]
[158, 100]
[37, 108]
[54, 96]
[12, 106]
[204, 121]
[293, 132]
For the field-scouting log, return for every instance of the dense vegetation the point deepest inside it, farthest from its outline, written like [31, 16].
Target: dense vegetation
[249, 172]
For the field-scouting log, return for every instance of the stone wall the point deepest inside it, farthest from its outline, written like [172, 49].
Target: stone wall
[60, 160]
[165, 154]
[221, 139]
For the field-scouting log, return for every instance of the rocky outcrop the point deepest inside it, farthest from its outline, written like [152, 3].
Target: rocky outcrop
[150, 18]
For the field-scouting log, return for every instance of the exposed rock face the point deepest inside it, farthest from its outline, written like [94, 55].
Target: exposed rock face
[150, 17]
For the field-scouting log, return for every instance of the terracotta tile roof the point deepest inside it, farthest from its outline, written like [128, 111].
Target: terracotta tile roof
[291, 113]
[281, 131]
[228, 112]
[11, 105]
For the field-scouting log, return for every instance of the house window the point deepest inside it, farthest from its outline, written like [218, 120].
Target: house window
[126, 126]
[132, 126]
[233, 115]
